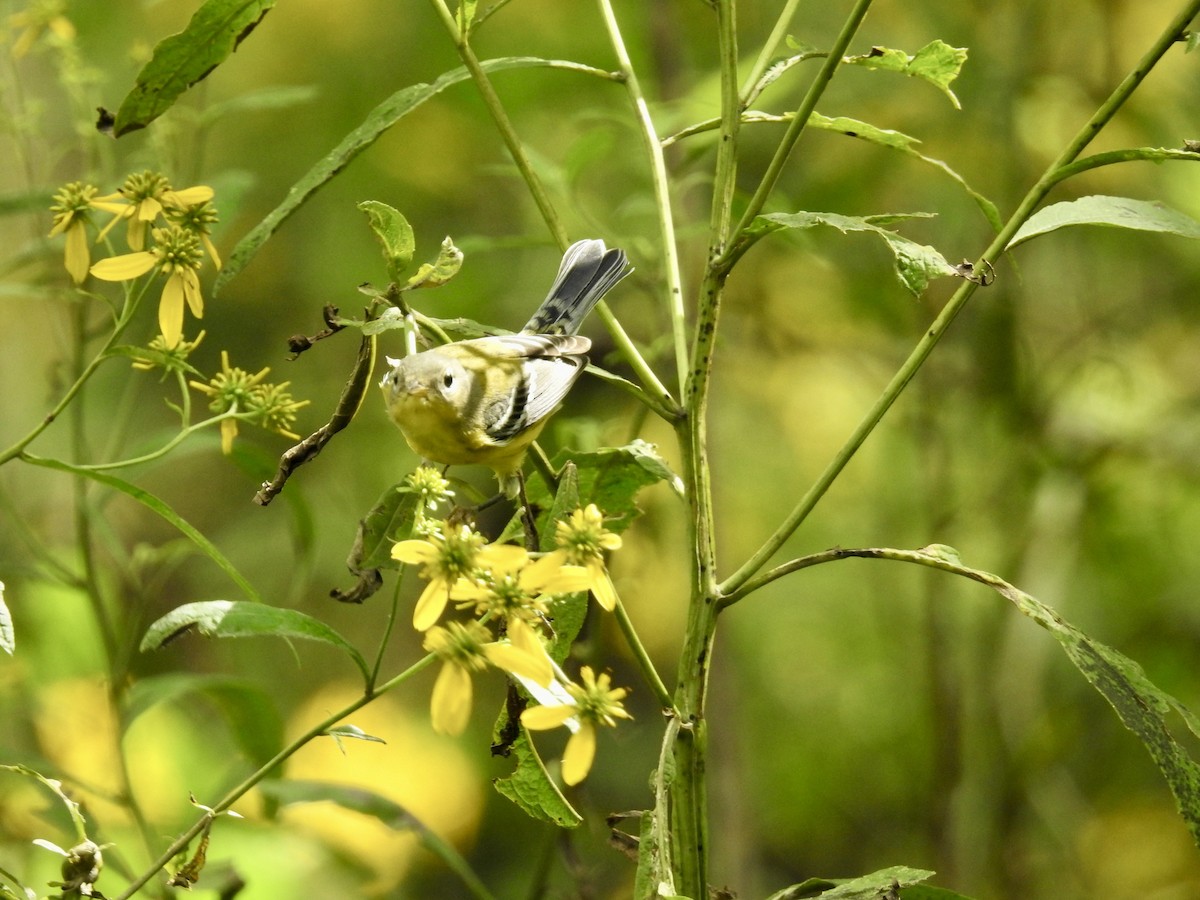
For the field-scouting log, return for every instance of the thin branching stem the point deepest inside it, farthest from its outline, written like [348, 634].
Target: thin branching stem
[540, 196]
[234, 794]
[807, 105]
[1036, 194]
[662, 190]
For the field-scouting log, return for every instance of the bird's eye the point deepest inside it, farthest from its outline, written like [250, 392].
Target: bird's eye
[448, 379]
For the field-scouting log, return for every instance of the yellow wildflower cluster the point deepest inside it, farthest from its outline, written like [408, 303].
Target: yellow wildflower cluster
[511, 597]
[234, 390]
[176, 225]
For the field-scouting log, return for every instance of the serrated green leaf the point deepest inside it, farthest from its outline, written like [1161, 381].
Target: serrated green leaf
[1113, 212]
[8, 636]
[611, 478]
[379, 120]
[230, 618]
[253, 716]
[390, 520]
[1141, 705]
[182, 59]
[937, 62]
[394, 233]
[446, 266]
[877, 885]
[884, 137]
[916, 264]
[532, 789]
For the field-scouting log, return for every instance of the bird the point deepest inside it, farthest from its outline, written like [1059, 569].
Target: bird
[483, 401]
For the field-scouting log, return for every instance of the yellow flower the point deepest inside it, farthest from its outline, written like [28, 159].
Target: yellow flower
[460, 647]
[520, 594]
[447, 555]
[142, 199]
[231, 390]
[594, 702]
[71, 206]
[466, 649]
[582, 541]
[170, 359]
[177, 255]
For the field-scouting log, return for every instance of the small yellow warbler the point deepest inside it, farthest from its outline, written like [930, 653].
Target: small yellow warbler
[484, 401]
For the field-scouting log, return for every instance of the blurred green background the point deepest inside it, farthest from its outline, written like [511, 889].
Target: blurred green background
[864, 714]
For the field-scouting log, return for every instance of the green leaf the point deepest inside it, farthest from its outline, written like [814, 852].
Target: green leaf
[390, 520]
[379, 120]
[937, 62]
[531, 788]
[229, 618]
[885, 884]
[8, 637]
[611, 478]
[153, 503]
[437, 273]
[182, 59]
[394, 233]
[1141, 705]
[252, 714]
[1113, 212]
[916, 264]
[352, 732]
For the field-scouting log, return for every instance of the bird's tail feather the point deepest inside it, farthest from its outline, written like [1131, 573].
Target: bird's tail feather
[588, 271]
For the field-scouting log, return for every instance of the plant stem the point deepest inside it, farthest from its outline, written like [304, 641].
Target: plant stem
[1172, 33]
[662, 191]
[643, 658]
[803, 112]
[509, 134]
[233, 795]
[769, 49]
[687, 807]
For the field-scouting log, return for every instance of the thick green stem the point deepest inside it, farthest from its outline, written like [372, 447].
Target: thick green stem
[1170, 35]
[687, 795]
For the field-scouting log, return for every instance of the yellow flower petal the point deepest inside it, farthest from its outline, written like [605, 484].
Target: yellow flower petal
[229, 431]
[148, 209]
[170, 311]
[502, 558]
[549, 576]
[191, 292]
[124, 267]
[524, 655]
[192, 196]
[578, 756]
[450, 704]
[542, 718]
[211, 250]
[78, 255]
[431, 604]
[414, 552]
[602, 586]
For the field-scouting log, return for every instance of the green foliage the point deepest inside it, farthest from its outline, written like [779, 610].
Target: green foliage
[1113, 212]
[183, 59]
[231, 618]
[994, 451]
[532, 789]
